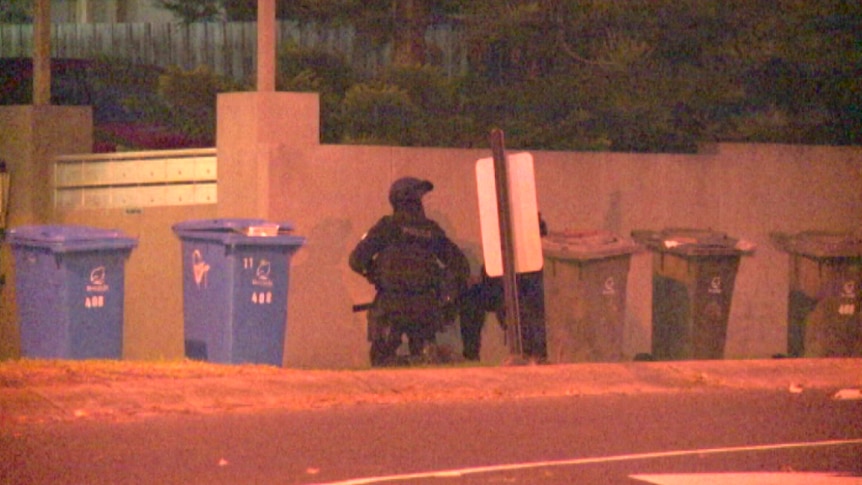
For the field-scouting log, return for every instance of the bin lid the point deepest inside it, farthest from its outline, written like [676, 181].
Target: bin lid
[820, 244]
[70, 238]
[693, 242]
[244, 232]
[584, 245]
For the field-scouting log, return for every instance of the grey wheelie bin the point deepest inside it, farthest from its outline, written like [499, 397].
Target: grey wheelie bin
[70, 285]
[823, 308]
[235, 283]
[585, 277]
[694, 272]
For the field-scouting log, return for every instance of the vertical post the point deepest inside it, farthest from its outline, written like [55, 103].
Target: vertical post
[83, 11]
[42, 53]
[510, 283]
[266, 45]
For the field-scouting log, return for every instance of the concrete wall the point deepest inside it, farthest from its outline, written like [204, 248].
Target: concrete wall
[336, 192]
[271, 166]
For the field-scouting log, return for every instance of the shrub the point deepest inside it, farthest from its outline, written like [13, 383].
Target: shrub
[410, 106]
[314, 70]
[190, 97]
[378, 113]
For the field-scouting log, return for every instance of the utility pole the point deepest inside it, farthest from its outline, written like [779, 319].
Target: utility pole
[266, 45]
[42, 53]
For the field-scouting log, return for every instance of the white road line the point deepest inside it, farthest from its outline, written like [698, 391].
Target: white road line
[753, 478]
[586, 461]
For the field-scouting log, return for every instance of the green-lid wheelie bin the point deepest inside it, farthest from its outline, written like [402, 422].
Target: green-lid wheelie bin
[585, 277]
[824, 318]
[694, 271]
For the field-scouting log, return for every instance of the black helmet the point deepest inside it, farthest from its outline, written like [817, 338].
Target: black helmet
[408, 189]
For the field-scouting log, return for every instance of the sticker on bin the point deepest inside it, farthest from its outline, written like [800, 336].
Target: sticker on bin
[262, 230]
[200, 268]
[590, 244]
[693, 242]
[675, 243]
[239, 232]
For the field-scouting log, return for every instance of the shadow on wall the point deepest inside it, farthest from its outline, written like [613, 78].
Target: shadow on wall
[614, 214]
[318, 318]
[472, 249]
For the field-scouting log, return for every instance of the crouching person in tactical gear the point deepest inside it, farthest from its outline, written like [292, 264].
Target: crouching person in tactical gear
[415, 268]
[486, 296]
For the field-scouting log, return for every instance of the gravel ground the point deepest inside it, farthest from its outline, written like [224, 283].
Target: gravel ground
[38, 391]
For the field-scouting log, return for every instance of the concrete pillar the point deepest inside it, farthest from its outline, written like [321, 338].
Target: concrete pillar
[255, 132]
[258, 135]
[32, 137]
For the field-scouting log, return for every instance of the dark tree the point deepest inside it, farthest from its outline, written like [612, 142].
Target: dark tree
[190, 11]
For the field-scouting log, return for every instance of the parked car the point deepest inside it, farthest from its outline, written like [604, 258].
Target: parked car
[85, 82]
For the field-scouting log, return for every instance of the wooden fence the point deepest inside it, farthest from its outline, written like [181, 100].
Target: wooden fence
[227, 48]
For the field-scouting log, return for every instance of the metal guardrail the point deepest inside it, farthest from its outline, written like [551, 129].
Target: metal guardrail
[135, 179]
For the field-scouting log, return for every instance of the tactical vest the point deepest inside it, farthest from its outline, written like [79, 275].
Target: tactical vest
[408, 263]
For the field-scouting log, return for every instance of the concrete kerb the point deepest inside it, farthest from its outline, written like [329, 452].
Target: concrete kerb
[47, 391]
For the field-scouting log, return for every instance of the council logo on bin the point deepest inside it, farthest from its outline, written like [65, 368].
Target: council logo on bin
[262, 279]
[98, 276]
[609, 288]
[848, 292]
[261, 274]
[97, 280]
[848, 289]
[715, 286]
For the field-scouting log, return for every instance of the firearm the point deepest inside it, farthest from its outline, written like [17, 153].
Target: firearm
[466, 294]
[361, 307]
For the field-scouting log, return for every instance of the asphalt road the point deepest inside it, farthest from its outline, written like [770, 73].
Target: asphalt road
[601, 439]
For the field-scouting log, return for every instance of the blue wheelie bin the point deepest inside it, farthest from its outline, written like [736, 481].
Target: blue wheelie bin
[235, 281]
[70, 285]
